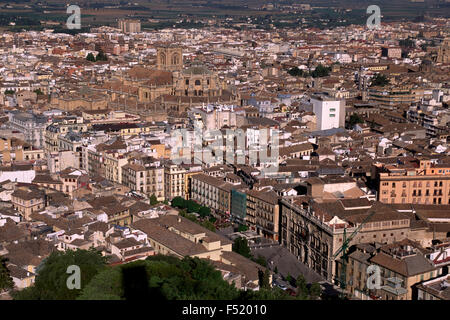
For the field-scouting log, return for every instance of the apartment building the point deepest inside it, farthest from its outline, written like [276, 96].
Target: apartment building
[113, 162]
[31, 125]
[434, 289]
[145, 176]
[263, 213]
[62, 127]
[13, 149]
[129, 26]
[392, 96]
[414, 180]
[402, 266]
[314, 231]
[174, 181]
[330, 113]
[212, 192]
[27, 200]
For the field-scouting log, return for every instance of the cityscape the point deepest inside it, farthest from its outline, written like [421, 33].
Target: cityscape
[225, 150]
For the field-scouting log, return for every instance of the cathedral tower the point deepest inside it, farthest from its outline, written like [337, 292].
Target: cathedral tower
[169, 58]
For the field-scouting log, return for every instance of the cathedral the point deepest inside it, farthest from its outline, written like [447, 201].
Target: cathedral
[170, 85]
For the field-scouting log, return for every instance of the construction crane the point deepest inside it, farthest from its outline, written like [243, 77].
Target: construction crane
[343, 249]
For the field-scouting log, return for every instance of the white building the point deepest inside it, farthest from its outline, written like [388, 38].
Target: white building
[330, 113]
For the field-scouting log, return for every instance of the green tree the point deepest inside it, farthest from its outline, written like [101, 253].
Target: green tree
[240, 246]
[261, 260]
[315, 290]
[354, 119]
[242, 228]
[320, 71]
[379, 80]
[165, 277]
[90, 57]
[204, 212]
[264, 279]
[51, 280]
[296, 72]
[9, 91]
[38, 92]
[275, 270]
[302, 288]
[192, 206]
[178, 202]
[153, 200]
[208, 225]
[101, 56]
[6, 282]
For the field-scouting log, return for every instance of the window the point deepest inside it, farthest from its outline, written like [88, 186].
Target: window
[197, 82]
[332, 115]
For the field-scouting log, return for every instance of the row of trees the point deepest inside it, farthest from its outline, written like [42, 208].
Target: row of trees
[156, 278]
[319, 71]
[101, 56]
[189, 207]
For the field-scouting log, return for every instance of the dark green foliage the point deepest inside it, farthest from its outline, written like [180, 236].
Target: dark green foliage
[275, 270]
[289, 279]
[354, 119]
[379, 80]
[264, 279]
[208, 225]
[51, 281]
[38, 92]
[101, 56]
[315, 290]
[242, 228]
[302, 288]
[261, 260]
[192, 206]
[240, 246]
[296, 72]
[161, 277]
[407, 43]
[321, 71]
[178, 202]
[90, 57]
[204, 211]
[6, 282]
[9, 91]
[153, 200]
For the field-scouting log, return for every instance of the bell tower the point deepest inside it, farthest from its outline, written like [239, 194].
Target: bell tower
[169, 58]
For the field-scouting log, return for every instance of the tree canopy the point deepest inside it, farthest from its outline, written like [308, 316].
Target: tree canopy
[240, 246]
[379, 80]
[51, 280]
[6, 282]
[153, 200]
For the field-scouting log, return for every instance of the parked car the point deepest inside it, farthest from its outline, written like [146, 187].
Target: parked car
[281, 286]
